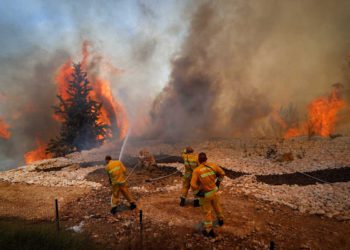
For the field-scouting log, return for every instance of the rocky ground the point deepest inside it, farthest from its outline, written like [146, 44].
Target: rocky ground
[315, 216]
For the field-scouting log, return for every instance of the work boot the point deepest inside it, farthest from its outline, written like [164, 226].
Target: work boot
[205, 233]
[211, 234]
[221, 222]
[196, 203]
[132, 206]
[114, 210]
[182, 202]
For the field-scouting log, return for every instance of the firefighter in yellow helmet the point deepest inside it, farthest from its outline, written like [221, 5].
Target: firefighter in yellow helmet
[191, 162]
[116, 173]
[205, 183]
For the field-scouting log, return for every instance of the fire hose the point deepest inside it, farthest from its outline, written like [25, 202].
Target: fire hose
[132, 171]
[162, 177]
[152, 179]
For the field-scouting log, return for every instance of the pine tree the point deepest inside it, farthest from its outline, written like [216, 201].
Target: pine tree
[80, 127]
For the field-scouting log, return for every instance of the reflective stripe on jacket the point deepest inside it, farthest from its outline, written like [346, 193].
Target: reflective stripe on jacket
[116, 171]
[190, 161]
[204, 177]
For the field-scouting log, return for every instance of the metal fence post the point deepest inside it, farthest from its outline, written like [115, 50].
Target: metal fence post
[57, 218]
[141, 230]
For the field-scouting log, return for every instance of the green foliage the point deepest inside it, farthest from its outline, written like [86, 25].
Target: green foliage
[80, 128]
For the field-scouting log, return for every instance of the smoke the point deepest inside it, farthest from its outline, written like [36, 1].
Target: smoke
[204, 68]
[39, 36]
[29, 94]
[242, 59]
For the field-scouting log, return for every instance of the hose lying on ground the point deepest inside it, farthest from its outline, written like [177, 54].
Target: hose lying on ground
[162, 177]
[132, 171]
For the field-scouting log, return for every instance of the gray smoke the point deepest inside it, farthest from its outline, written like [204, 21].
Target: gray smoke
[226, 65]
[38, 36]
[244, 59]
[29, 94]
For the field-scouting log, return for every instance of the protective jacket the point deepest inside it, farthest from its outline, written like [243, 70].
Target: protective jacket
[204, 177]
[203, 181]
[191, 162]
[116, 172]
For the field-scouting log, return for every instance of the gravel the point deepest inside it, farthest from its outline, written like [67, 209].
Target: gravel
[246, 157]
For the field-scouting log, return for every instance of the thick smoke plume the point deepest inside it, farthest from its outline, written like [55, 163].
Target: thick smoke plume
[227, 66]
[242, 60]
[39, 36]
[29, 95]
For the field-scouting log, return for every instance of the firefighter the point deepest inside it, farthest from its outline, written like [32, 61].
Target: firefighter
[205, 183]
[147, 160]
[191, 162]
[116, 173]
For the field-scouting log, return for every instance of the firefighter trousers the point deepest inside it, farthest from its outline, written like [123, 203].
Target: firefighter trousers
[123, 189]
[186, 184]
[208, 204]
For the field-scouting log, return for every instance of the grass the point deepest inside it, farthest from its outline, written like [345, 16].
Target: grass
[23, 235]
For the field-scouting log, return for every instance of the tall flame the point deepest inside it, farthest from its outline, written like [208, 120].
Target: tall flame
[112, 112]
[111, 109]
[38, 153]
[322, 116]
[4, 130]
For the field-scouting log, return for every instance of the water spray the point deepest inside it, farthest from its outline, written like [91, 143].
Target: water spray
[122, 152]
[124, 143]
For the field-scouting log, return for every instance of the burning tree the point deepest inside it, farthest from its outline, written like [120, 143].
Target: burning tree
[79, 114]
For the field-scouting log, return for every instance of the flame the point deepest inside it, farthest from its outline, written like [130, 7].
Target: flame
[294, 132]
[61, 78]
[4, 130]
[112, 112]
[111, 109]
[322, 116]
[38, 153]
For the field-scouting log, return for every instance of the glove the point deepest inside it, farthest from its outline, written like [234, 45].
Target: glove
[200, 193]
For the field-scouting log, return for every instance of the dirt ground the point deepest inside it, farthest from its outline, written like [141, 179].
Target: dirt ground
[249, 223]
[34, 202]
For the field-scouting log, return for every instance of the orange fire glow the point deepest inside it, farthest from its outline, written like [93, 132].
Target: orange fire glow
[112, 112]
[322, 116]
[38, 153]
[141, 124]
[111, 109]
[4, 130]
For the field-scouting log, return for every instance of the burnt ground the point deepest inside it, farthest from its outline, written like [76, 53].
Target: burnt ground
[233, 174]
[301, 179]
[249, 223]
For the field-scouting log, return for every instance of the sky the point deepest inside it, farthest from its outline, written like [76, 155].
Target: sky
[225, 67]
[37, 36]
[116, 27]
